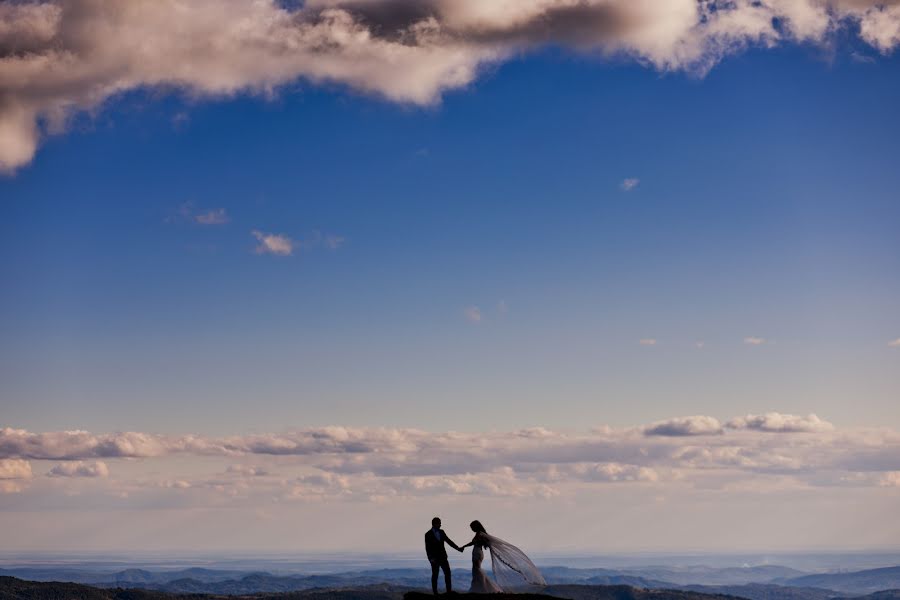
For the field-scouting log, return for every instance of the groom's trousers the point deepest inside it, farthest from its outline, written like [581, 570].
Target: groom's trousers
[443, 564]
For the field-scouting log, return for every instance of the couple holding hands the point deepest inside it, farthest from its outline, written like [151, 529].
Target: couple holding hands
[512, 568]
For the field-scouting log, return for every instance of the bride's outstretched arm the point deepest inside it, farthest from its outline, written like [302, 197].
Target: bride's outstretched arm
[479, 540]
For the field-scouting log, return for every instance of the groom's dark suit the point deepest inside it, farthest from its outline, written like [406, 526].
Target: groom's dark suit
[437, 556]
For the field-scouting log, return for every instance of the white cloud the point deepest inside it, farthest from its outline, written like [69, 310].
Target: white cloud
[891, 479]
[54, 60]
[647, 342]
[14, 475]
[472, 314]
[80, 469]
[11, 486]
[502, 482]
[880, 27]
[15, 468]
[754, 341]
[282, 245]
[629, 184]
[272, 243]
[176, 484]
[894, 343]
[684, 426]
[68, 445]
[613, 472]
[359, 463]
[778, 422]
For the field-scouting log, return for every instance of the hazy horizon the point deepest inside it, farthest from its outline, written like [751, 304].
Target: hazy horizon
[344, 562]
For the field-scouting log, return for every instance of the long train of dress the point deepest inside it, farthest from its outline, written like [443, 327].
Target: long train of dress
[512, 567]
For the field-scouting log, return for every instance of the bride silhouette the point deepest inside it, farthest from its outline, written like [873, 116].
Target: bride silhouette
[512, 568]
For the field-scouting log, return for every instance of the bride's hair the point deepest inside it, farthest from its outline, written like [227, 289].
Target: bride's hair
[477, 527]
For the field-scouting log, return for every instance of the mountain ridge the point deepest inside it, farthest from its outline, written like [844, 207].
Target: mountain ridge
[17, 589]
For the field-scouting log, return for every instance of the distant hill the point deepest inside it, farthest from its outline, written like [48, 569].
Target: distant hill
[856, 582]
[124, 578]
[621, 592]
[17, 589]
[765, 582]
[765, 591]
[198, 580]
[883, 595]
[703, 575]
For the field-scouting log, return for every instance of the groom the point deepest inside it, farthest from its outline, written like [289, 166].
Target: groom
[437, 555]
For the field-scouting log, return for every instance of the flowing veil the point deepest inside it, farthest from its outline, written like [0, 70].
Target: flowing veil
[512, 568]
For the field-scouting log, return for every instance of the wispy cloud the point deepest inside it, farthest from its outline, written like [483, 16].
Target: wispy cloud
[629, 184]
[216, 216]
[188, 213]
[647, 342]
[247, 470]
[894, 343]
[180, 120]
[472, 314]
[55, 64]
[333, 242]
[273, 243]
[755, 341]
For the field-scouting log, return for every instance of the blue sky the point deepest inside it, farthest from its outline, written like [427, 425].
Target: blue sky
[766, 207]
[493, 278]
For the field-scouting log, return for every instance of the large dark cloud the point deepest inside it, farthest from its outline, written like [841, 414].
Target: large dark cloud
[58, 57]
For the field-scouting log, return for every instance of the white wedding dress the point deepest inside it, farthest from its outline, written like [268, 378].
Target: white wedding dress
[481, 583]
[512, 568]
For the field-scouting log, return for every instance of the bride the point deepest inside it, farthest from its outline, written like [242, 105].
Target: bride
[512, 568]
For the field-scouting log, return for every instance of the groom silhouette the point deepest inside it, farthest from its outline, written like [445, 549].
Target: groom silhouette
[437, 554]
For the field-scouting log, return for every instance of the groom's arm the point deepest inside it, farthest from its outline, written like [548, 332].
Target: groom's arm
[451, 542]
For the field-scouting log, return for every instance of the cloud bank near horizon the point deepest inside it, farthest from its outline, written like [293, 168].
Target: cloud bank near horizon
[62, 57]
[767, 450]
